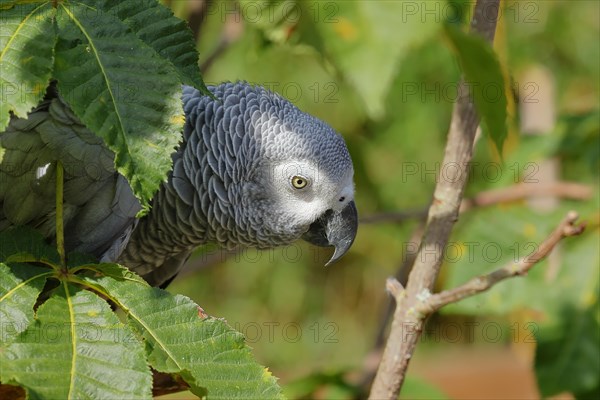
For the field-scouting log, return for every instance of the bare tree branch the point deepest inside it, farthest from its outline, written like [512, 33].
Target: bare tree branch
[443, 213]
[374, 356]
[566, 228]
[402, 276]
[520, 191]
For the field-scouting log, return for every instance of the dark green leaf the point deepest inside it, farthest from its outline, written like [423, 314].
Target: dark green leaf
[589, 395]
[27, 39]
[122, 91]
[567, 353]
[77, 348]
[156, 26]
[485, 81]
[24, 244]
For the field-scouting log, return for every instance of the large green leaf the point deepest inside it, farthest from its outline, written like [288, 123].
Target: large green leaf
[156, 26]
[122, 90]
[27, 39]
[20, 287]
[366, 40]
[567, 351]
[484, 79]
[205, 351]
[77, 348]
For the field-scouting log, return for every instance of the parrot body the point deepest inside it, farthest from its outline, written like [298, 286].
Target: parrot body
[252, 170]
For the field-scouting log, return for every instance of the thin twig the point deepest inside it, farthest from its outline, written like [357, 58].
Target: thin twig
[443, 213]
[198, 14]
[402, 274]
[566, 228]
[233, 28]
[520, 191]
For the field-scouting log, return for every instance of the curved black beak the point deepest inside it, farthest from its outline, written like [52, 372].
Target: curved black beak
[337, 229]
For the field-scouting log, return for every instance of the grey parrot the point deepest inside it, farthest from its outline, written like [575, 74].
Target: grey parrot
[252, 170]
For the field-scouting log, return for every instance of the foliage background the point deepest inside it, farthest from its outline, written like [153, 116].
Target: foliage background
[385, 82]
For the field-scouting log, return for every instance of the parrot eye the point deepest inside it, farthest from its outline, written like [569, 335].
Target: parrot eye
[299, 182]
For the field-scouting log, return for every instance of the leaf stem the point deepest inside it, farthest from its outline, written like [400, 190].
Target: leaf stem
[60, 232]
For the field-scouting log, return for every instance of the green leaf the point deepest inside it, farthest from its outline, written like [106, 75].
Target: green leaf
[20, 287]
[168, 35]
[77, 348]
[589, 395]
[27, 39]
[24, 244]
[121, 90]
[566, 357]
[366, 40]
[416, 388]
[205, 351]
[485, 81]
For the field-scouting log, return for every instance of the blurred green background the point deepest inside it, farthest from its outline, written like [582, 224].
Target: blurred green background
[383, 74]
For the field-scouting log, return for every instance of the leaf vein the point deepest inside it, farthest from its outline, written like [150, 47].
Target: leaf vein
[19, 27]
[25, 282]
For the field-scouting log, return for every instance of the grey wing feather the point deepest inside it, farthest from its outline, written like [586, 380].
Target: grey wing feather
[168, 270]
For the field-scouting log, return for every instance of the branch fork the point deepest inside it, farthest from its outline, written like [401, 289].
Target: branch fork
[566, 228]
[415, 302]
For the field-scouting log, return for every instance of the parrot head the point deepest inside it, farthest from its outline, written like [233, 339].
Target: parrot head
[314, 200]
[298, 174]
